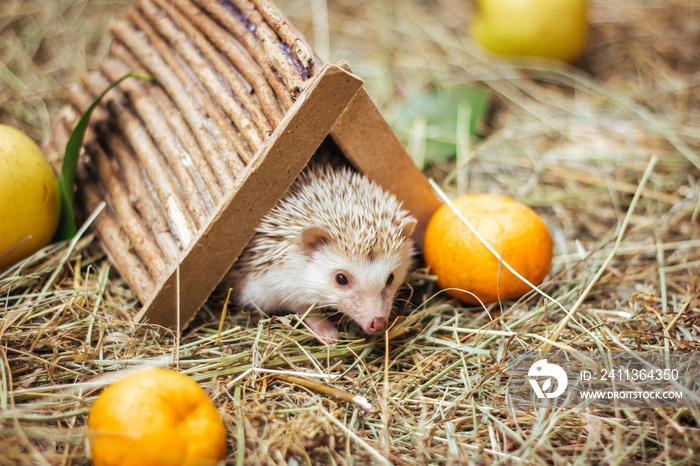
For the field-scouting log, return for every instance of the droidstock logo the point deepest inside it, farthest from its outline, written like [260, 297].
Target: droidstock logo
[542, 369]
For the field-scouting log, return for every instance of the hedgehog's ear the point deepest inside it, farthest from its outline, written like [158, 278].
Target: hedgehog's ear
[407, 227]
[313, 237]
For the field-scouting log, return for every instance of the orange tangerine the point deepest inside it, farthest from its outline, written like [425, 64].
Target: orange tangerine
[460, 260]
[156, 417]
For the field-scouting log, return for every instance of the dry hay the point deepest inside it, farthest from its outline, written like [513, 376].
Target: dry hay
[573, 142]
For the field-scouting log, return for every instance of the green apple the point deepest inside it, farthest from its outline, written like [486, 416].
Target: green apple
[29, 199]
[542, 28]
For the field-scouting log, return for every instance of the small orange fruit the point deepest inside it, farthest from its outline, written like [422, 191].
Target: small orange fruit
[156, 417]
[461, 261]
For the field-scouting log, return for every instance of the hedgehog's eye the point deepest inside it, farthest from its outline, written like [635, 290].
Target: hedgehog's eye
[390, 279]
[341, 279]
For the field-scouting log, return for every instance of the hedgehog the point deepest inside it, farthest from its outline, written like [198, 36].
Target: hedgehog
[336, 241]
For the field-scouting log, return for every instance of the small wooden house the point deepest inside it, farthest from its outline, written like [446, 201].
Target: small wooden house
[189, 164]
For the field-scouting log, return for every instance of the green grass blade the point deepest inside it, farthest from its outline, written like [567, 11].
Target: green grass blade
[66, 225]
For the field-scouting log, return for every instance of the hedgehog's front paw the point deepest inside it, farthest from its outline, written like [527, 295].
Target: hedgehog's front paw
[323, 327]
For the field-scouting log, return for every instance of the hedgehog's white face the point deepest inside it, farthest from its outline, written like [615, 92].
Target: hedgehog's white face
[363, 288]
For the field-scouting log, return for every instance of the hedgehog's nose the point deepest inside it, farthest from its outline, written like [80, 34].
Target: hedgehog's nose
[377, 325]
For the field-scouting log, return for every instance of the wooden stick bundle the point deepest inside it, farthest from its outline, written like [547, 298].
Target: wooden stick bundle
[164, 155]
